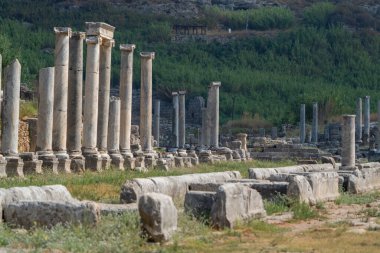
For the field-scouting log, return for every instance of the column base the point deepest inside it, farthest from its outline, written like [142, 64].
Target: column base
[14, 166]
[3, 164]
[49, 161]
[31, 163]
[106, 160]
[150, 161]
[78, 163]
[93, 161]
[349, 168]
[63, 161]
[117, 161]
[140, 160]
[178, 161]
[187, 162]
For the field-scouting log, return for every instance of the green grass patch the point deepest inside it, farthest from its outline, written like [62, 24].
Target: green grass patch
[302, 211]
[28, 109]
[349, 199]
[277, 205]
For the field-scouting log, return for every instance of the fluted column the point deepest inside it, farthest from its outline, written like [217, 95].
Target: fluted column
[302, 124]
[181, 119]
[146, 102]
[93, 160]
[126, 74]
[175, 120]
[358, 120]
[214, 113]
[367, 114]
[104, 98]
[75, 94]
[156, 128]
[314, 131]
[348, 142]
[61, 75]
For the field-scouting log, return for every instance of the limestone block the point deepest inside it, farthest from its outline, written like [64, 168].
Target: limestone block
[199, 203]
[158, 216]
[300, 189]
[364, 180]
[325, 185]
[117, 209]
[235, 202]
[174, 186]
[28, 214]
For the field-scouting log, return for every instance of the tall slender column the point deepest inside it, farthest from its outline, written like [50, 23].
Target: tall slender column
[358, 120]
[302, 124]
[104, 98]
[214, 113]
[348, 142]
[1, 73]
[10, 119]
[75, 96]
[91, 92]
[366, 120]
[61, 75]
[314, 132]
[146, 102]
[114, 134]
[181, 119]
[175, 120]
[156, 128]
[274, 133]
[378, 126]
[204, 136]
[126, 74]
[45, 119]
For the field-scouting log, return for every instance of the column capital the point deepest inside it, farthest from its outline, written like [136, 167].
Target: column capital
[181, 92]
[78, 35]
[63, 30]
[93, 40]
[108, 42]
[127, 47]
[100, 29]
[174, 93]
[349, 116]
[215, 84]
[148, 55]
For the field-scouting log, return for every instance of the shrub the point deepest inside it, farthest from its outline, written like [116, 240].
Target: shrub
[319, 14]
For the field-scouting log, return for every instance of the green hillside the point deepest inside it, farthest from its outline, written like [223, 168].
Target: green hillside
[325, 52]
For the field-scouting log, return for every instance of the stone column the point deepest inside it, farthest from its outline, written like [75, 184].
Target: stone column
[214, 113]
[114, 134]
[348, 142]
[314, 131]
[126, 72]
[146, 102]
[104, 98]
[61, 75]
[358, 120]
[10, 119]
[378, 126]
[75, 103]
[156, 128]
[90, 115]
[45, 120]
[274, 133]
[367, 115]
[262, 132]
[302, 124]
[175, 120]
[1, 73]
[204, 136]
[181, 120]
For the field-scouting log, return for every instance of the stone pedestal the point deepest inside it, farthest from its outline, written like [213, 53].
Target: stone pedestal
[61, 75]
[302, 124]
[146, 102]
[175, 120]
[31, 163]
[125, 93]
[139, 160]
[14, 166]
[367, 115]
[243, 138]
[348, 142]
[314, 131]
[181, 119]
[358, 121]
[3, 164]
[117, 159]
[49, 161]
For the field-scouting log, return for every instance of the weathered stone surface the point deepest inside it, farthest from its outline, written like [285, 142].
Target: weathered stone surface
[117, 209]
[28, 214]
[199, 203]
[364, 180]
[279, 174]
[158, 216]
[234, 202]
[174, 186]
[300, 189]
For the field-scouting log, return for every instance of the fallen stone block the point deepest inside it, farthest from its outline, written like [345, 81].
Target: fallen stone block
[117, 209]
[174, 186]
[158, 216]
[363, 180]
[235, 202]
[300, 189]
[199, 203]
[27, 214]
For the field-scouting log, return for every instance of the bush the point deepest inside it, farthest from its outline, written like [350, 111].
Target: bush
[319, 14]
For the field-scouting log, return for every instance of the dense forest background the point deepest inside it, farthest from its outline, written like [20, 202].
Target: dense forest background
[327, 52]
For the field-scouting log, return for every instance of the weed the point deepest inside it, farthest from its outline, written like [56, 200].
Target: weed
[349, 199]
